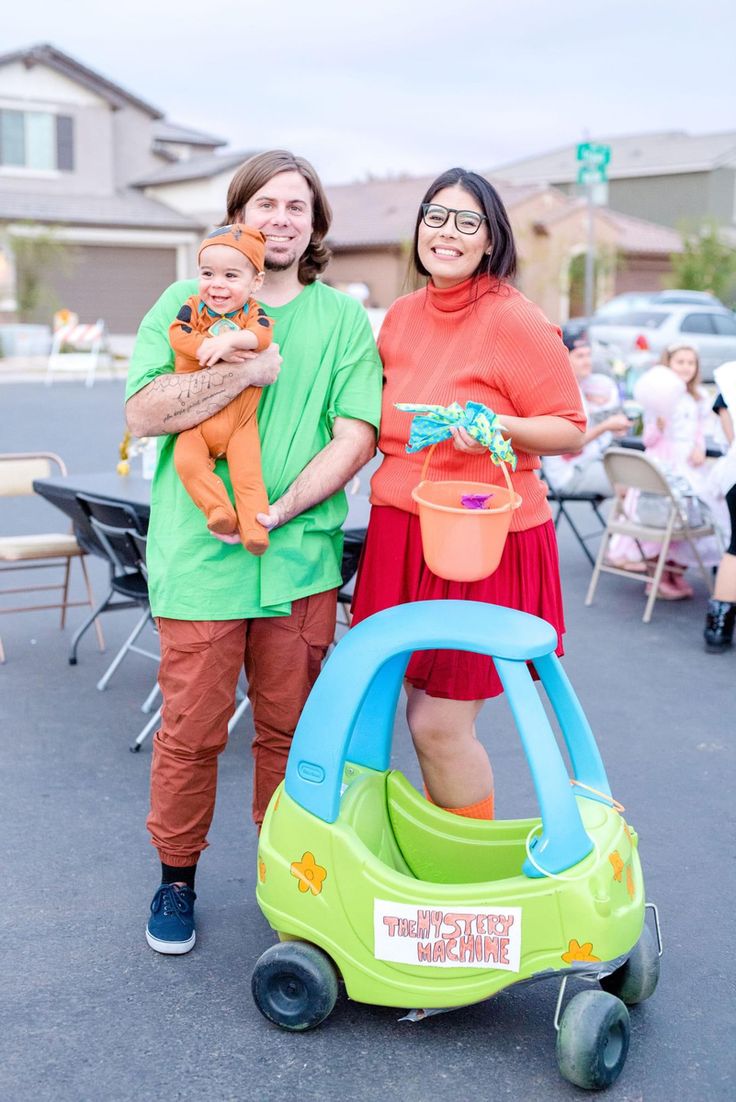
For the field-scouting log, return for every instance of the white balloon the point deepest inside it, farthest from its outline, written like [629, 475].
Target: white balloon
[658, 391]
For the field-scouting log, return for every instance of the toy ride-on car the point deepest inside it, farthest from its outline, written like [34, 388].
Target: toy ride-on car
[412, 906]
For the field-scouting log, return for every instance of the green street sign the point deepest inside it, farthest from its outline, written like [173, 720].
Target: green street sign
[593, 166]
[592, 174]
[591, 154]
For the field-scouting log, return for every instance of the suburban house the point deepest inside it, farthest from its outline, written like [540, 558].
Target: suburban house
[71, 144]
[129, 194]
[667, 177]
[374, 223]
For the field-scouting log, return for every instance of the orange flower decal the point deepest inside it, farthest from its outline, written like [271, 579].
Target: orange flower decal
[618, 865]
[276, 805]
[309, 874]
[629, 881]
[261, 870]
[578, 952]
[627, 832]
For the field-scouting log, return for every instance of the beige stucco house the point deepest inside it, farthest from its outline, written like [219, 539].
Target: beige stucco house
[667, 177]
[130, 194]
[71, 143]
[374, 223]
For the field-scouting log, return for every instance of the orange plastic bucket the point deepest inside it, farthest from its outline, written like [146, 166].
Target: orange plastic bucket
[460, 544]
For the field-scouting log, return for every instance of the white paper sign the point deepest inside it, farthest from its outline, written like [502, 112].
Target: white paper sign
[438, 936]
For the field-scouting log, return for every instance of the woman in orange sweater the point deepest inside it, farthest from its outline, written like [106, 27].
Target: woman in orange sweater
[468, 335]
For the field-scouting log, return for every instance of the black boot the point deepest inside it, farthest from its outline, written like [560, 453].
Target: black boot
[719, 624]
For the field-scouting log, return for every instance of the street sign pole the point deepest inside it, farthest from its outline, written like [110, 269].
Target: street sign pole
[593, 164]
[589, 253]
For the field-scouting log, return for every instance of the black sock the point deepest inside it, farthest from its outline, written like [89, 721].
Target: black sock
[178, 874]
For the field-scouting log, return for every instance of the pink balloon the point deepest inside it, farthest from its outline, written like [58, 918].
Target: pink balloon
[658, 391]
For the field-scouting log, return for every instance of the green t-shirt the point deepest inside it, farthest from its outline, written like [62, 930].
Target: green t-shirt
[330, 369]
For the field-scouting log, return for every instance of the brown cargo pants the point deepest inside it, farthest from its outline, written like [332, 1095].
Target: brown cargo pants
[200, 664]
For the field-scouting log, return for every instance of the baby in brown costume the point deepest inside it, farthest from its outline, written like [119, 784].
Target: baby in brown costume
[224, 317]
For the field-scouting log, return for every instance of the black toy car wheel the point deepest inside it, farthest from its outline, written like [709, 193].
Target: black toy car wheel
[637, 977]
[295, 985]
[593, 1040]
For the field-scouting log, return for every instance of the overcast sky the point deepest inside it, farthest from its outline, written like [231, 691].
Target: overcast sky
[392, 86]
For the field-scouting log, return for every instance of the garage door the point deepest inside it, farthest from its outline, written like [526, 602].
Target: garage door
[113, 283]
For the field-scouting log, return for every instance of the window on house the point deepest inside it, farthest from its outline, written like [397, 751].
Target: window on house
[36, 140]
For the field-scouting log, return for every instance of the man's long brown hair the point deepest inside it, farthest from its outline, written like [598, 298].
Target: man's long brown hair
[255, 174]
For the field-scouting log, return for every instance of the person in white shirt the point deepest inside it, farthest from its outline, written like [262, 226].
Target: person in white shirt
[583, 471]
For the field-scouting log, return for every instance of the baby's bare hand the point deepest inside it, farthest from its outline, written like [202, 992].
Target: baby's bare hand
[212, 350]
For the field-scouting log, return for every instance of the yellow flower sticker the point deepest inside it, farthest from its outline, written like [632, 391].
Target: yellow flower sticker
[629, 881]
[578, 952]
[261, 870]
[618, 865]
[309, 874]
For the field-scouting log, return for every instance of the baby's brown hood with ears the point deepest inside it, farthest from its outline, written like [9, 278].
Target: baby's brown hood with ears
[251, 243]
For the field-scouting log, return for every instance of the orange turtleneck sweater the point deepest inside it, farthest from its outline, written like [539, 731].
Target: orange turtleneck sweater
[481, 342]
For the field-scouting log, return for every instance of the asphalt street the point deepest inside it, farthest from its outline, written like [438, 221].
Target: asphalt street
[88, 1011]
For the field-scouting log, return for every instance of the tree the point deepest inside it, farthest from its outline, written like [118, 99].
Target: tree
[38, 254]
[607, 263]
[706, 263]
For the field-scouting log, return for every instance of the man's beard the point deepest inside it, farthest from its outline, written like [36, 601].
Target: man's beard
[279, 264]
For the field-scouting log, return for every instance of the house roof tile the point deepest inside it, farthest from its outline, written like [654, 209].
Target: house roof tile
[382, 212]
[125, 209]
[663, 153]
[194, 168]
[44, 54]
[165, 131]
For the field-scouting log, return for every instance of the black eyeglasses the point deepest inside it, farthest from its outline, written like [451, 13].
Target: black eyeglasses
[466, 221]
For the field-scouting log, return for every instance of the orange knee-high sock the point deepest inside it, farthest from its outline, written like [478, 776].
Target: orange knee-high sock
[482, 810]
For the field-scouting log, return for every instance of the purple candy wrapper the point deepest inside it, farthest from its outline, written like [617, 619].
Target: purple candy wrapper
[475, 501]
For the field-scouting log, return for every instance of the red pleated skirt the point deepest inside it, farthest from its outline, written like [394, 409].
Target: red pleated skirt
[392, 571]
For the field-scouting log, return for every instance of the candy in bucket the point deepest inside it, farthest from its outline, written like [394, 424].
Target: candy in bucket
[464, 524]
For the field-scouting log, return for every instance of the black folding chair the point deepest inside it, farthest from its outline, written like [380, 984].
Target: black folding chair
[562, 500]
[352, 547]
[354, 538]
[112, 525]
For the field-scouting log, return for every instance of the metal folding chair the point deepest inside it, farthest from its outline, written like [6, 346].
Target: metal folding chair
[112, 524]
[353, 544]
[137, 541]
[354, 538]
[628, 469]
[42, 551]
[562, 500]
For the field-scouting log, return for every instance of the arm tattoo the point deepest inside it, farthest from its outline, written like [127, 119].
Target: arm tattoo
[200, 390]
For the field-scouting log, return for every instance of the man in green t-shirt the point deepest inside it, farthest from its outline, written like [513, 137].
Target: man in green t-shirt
[217, 607]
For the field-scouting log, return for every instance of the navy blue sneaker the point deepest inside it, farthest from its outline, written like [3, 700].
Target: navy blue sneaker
[170, 928]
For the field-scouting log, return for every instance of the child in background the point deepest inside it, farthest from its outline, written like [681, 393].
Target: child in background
[678, 444]
[583, 471]
[222, 318]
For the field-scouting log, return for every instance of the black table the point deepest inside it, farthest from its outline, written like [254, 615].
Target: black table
[63, 489]
[135, 491]
[62, 492]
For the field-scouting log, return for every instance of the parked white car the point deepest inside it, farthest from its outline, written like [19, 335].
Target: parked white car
[651, 329]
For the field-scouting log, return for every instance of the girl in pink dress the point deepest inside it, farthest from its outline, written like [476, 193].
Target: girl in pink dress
[677, 442]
